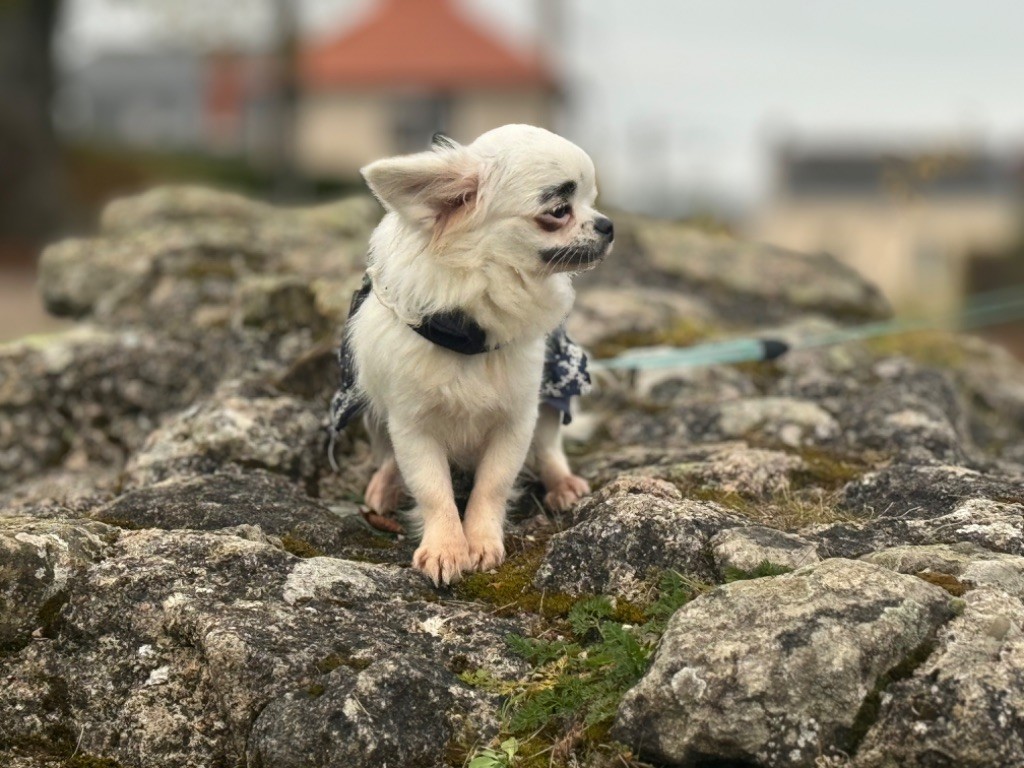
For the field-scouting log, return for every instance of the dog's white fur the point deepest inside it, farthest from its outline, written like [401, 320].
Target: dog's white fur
[464, 229]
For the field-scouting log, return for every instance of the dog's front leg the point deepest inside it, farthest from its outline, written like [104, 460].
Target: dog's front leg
[496, 473]
[443, 554]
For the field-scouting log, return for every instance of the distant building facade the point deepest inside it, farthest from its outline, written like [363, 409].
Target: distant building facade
[381, 87]
[411, 68]
[908, 221]
[146, 100]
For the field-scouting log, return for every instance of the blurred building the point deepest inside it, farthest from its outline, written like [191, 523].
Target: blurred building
[146, 99]
[916, 223]
[411, 68]
[382, 87]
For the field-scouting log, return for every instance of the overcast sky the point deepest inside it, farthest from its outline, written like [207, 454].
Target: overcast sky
[688, 97]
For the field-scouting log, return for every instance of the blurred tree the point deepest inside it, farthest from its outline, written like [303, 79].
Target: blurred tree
[31, 196]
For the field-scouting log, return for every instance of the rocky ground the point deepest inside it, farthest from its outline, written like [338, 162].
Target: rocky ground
[812, 562]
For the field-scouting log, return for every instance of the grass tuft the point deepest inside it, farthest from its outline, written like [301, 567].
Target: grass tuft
[566, 704]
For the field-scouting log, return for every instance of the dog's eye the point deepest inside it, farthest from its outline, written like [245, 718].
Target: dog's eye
[556, 218]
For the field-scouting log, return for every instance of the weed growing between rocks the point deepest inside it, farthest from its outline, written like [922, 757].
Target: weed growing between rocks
[580, 671]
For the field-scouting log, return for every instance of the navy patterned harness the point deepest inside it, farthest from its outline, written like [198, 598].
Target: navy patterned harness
[565, 362]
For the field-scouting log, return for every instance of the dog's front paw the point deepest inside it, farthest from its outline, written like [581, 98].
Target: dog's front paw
[442, 559]
[565, 492]
[486, 548]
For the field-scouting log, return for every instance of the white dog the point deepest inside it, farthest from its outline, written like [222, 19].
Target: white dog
[458, 326]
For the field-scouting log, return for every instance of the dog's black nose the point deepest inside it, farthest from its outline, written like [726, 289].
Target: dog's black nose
[605, 227]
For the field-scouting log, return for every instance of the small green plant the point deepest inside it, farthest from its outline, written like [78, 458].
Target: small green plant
[501, 757]
[579, 677]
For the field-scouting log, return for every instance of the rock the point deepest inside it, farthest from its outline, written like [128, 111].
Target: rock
[964, 706]
[188, 648]
[628, 534]
[994, 525]
[412, 712]
[607, 319]
[967, 566]
[777, 671]
[228, 499]
[728, 468]
[236, 427]
[744, 549]
[173, 257]
[184, 582]
[279, 304]
[792, 422]
[763, 277]
[37, 560]
[90, 396]
[926, 491]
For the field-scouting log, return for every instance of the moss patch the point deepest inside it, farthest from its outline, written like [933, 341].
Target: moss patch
[681, 333]
[560, 714]
[941, 349]
[510, 590]
[333, 661]
[764, 569]
[951, 584]
[299, 547]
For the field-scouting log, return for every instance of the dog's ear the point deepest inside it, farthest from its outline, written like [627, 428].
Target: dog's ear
[429, 187]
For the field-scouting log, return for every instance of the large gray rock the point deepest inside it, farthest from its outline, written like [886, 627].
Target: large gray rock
[744, 549]
[89, 396]
[172, 649]
[777, 671]
[176, 258]
[38, 559]
[756, 277]
[968, 566]
[630, 533]
[227, 499]
[964, 706]
[994, 525]
[239, 426]
[730, 468]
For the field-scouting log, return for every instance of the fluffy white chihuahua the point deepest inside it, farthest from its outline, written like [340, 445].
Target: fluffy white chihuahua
[458, 327]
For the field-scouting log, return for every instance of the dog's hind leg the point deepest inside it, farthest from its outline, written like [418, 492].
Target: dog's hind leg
[385, 489]
[563, 487]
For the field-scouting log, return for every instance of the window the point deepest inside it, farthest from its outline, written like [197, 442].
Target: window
[418, 118]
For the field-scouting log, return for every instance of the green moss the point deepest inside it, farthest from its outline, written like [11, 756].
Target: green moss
[934, 348]
[562, 711]
[316, 690]
[951, 584]
[299, 547]
[764, 569]
[826, 470]
[682, 333]
[90, 761]
[510, 588]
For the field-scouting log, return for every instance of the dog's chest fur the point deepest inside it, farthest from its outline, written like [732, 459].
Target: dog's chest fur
[458, 399]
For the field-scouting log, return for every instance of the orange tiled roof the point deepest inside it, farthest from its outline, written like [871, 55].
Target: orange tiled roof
[424, 43]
